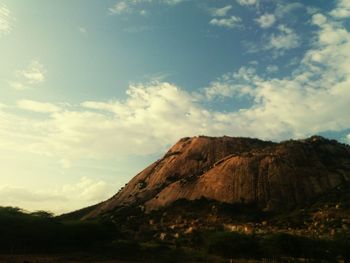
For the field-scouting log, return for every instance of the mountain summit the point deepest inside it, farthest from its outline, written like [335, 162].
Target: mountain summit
[237, 170]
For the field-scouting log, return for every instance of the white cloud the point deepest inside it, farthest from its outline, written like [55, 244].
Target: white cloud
[36, 106]
[138, 125]
[342, 9]
[221, 11]
[303, 103]
[266, 20]
[348, 137]
[30, 77]
[104, 106]
[18, 85]
[236, 84]
[272, 68]
[136, 6]
[120, 8]
[172, 2]
[219, 89]
[283, 9]
[247, 2]
[9, 194]
[82, 30]
[319, 19]
[286, 39]
[34, 74]
[331, 33]
[311, 10]
[88, 189]
[58, 199]
[231, 22]
[5, 20]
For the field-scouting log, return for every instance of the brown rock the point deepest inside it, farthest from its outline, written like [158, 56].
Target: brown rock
[238, 170]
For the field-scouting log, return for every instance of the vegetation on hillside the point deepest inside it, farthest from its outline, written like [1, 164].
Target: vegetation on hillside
[198, 231]
[23, 232]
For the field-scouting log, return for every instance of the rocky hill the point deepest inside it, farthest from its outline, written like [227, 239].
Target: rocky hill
[237, 170]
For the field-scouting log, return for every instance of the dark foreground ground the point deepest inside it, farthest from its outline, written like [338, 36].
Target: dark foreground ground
[187, 232]
[55, 258]
[85, 258]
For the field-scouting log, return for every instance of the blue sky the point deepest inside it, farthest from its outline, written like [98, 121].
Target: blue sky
[92, 91]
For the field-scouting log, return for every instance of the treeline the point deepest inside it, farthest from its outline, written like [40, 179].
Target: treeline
[23, 232]
[40, 233]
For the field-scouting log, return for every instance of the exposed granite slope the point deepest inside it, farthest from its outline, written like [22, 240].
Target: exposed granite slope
[233, 170]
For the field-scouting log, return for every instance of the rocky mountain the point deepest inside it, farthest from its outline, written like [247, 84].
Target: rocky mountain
[237, 170]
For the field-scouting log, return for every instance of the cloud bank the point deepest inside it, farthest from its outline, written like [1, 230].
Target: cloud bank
[59, 199]
[314, 98]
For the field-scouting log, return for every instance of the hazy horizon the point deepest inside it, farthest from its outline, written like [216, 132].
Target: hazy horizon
[93, 91]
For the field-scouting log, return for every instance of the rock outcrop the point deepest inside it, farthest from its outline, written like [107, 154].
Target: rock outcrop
[228, 169]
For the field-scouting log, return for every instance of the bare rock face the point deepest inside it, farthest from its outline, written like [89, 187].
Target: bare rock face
[234, 170]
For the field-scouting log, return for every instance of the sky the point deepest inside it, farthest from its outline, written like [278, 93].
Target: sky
[93, 91]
